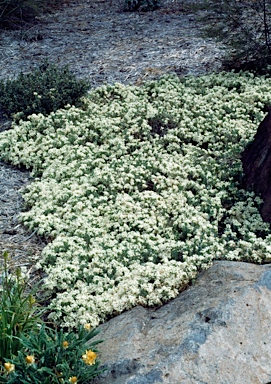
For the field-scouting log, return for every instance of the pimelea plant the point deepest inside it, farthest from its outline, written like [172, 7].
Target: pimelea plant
[141, 189]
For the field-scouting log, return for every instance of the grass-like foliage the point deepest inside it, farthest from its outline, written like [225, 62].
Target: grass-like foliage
[141, 189]
[30, 351]
[141, 5]
[18, 13]
[44, 90]
[244, 26]
[14, 13]
[53, 357]
[19, 312]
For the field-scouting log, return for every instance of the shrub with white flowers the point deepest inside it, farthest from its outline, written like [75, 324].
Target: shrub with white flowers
[141, 189]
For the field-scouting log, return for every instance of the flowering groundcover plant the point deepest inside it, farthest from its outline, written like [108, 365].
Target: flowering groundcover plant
[140, 189]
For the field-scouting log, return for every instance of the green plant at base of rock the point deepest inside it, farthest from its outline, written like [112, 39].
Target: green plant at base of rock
[30, 351]
[19, 312]
[52, 357]
[45, 90]
[141, 5]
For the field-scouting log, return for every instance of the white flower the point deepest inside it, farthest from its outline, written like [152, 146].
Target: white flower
[132, 215]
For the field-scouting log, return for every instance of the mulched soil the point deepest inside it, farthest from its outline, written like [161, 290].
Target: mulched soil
[23, 246]
[102, 43]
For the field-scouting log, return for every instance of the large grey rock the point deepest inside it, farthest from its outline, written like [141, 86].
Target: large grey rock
[256, 161]
[216, 332]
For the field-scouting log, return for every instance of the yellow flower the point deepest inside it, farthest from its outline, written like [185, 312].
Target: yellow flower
[30, 359]
[65, 344]
[87, 326]
[89, 357]
[73, 379]
[9, 367]
[32, 299]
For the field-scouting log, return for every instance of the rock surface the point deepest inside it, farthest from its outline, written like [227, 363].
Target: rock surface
[215, 332]
[256, 161]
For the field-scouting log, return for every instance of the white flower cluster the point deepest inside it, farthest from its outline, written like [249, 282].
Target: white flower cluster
[140, 189]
